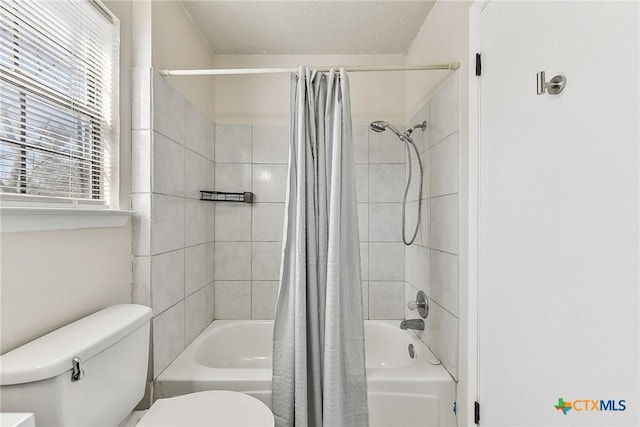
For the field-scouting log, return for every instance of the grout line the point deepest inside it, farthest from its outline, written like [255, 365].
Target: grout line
[444, 252]
[443, 138]
[444, 195]
[441, 306]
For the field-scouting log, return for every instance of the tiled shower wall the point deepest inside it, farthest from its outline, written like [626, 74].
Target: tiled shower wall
[172, 160]
[380, 178]
[432, 261]
[248, 238]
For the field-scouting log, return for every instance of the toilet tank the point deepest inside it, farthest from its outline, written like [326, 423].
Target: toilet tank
[113, 348]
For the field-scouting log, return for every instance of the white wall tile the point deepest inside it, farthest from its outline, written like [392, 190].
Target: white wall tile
[364, 261]
[365, 299]
[444, 166]
[264, 296]
[444, 280]
[211, 308]
[232, 261]
[195, 218]
[167, 280]
[141, 161]
[425, 222]
[361, 144]
[233, 222]
[168, 337]
[211, 220]
[444, 223]
[168, 109]
[196, 129]
[141, 98]
[167, 223]
[168, 166]
[233, 300]
[269, 182]
[444, 337]
[195, 268]
[386, 183]
[426, 176]
[271, 144]
[265, 260]
[267, 222]
[417, 271]
[233, 177]
[233, 143]
[211, 176]
[386, 300]
[195, 315]
[386, 261]
[385, 222]
[211, 136]
[211, 261]
[141, 284]
[386, 147]
[362, 183]
[444, 110]
[363, 221]
[141, 204]
[196, 168]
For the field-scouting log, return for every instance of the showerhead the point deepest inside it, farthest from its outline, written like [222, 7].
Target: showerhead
[422, 126]
[381, 126]
[378, 126]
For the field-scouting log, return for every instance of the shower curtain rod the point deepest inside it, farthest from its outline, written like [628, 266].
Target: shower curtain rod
[357, 68]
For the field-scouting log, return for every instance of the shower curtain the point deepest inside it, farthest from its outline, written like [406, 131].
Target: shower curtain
[319, 376]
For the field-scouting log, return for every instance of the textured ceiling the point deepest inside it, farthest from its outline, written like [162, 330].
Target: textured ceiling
[309, 27]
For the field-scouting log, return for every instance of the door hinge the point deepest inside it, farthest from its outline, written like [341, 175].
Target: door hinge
[476, 412]
[478, 64]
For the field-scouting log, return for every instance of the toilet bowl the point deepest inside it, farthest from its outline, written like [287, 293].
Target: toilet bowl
[93, 372]
[216, 408]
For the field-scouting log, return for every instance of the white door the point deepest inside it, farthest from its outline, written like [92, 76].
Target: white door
[558, 215]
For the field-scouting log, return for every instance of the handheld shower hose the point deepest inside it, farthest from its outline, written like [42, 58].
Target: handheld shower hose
[380, 126]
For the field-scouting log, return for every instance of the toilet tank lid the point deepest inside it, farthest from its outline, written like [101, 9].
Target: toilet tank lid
[52, 354]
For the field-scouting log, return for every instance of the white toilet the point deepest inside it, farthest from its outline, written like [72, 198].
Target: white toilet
[93, 373]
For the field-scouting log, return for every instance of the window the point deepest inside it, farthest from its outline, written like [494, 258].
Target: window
[58, 101]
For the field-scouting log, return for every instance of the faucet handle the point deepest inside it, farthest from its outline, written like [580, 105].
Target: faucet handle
[420, 304]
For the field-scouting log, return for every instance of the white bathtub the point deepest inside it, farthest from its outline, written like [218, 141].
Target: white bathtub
[236, 355]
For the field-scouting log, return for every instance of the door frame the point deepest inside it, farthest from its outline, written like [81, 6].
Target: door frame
[473, 218]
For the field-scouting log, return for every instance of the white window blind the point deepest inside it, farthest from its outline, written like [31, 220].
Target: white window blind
[58, 99]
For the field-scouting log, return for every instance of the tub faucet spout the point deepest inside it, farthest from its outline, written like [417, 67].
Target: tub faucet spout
[415, 324]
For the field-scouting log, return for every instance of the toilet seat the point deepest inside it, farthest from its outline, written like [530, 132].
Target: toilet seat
[215, 408]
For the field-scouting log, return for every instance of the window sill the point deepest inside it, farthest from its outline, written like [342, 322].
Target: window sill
[16, 219]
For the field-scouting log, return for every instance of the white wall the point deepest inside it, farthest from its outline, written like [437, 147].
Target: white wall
[261, 99]
[52, 278]
[177, 43]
